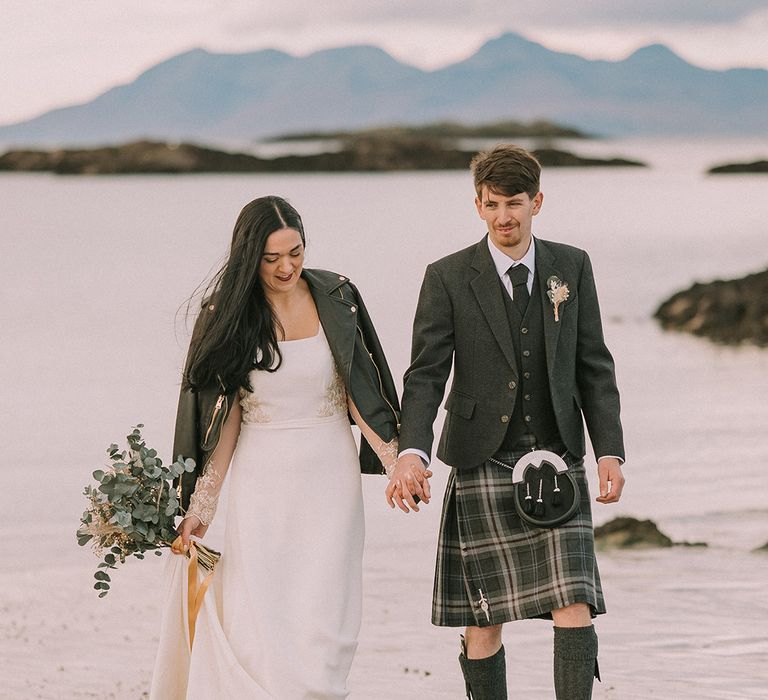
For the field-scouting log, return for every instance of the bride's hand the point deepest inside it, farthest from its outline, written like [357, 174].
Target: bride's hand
[190, 526]
[409, 478]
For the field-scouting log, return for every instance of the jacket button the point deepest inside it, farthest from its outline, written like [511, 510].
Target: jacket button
[527, 397]
[505, 419]
[526, 375]
[353, 309]
[527, 419]
[512, 385]
[523, 330]
[526, 353]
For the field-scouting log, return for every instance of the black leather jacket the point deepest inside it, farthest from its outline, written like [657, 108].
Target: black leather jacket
[360, 361]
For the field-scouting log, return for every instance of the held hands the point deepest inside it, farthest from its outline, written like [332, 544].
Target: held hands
[191, 525]
[410, 478]
[609, 472]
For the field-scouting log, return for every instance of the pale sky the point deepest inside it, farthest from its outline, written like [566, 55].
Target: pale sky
[59, 52]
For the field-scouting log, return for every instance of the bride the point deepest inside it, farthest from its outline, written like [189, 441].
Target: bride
[281, 357]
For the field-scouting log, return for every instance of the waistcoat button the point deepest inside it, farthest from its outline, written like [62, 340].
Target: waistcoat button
[512, 385]
[526, 353]
[523, 330]
[505, 419]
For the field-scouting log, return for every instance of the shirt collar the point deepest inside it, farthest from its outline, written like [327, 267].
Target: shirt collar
[503, 261]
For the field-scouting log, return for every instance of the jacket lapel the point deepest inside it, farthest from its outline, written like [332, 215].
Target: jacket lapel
[545, 268]
[336, 316]
[487, 291]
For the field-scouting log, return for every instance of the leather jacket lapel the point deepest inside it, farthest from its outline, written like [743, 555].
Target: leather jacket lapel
[488, 292]
[336, 315]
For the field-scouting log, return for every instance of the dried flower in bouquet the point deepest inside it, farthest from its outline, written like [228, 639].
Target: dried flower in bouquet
[132, 510]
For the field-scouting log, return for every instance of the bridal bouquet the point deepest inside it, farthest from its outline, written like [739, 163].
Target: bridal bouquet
[132, 509]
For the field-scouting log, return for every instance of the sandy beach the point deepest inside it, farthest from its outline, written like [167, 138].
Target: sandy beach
[682, 623]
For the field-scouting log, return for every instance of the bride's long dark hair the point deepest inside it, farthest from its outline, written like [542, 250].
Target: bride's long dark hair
[240, 333]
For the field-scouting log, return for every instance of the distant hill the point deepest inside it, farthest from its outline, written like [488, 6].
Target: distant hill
[231, 98]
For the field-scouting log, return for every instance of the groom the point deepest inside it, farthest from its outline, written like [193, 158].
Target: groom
[517, 319]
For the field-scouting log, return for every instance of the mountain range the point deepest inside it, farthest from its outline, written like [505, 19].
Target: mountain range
[230, 98]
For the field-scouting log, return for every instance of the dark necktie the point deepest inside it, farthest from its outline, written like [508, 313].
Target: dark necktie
[518, 274]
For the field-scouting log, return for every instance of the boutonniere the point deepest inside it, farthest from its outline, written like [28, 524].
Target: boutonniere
[558, 292]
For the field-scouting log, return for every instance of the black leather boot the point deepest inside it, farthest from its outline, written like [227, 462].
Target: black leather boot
[575, 662]
[484, 679]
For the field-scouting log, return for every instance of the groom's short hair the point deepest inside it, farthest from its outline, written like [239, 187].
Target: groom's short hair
[507, 170]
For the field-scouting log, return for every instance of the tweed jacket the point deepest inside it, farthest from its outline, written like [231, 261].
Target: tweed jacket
[461, 324]
[359, 359]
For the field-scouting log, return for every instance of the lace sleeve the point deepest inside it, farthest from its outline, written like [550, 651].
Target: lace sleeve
[385, 451]
[205, 497]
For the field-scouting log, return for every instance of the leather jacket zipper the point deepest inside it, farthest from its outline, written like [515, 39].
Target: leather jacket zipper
[378, 374]
[219, 402]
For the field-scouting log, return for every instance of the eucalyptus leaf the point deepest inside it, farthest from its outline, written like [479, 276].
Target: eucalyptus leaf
[98, 474]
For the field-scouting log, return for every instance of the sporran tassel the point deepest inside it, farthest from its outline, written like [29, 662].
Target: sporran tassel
[538, 510]
[556, 494]
[528, 503]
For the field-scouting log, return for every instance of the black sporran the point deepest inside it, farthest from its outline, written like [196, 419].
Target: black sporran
[546, 492]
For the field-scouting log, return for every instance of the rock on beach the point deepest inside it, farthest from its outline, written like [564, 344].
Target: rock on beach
[730, 312]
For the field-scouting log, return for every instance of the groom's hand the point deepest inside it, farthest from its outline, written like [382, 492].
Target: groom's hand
[410, 478]
[611, 480]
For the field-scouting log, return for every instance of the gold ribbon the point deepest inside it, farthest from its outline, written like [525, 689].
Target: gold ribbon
[195, 594]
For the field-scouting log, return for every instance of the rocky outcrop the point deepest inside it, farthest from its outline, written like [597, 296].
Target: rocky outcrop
[553, 158]
[731, 312]
[509, 129]
[364, 154]
[630, 533]
[758, 166]
[136, 157]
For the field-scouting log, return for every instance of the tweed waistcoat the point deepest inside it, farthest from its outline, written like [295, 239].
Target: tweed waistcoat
[533, 412]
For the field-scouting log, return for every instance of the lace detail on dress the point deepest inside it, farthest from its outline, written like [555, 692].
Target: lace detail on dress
[335, 400]
[205, 497]
[387, 453]
[253, 410]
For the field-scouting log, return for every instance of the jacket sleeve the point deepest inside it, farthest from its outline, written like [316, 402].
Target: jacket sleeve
[595, 372]
[431, 360]
[370, 360]
[186, 438]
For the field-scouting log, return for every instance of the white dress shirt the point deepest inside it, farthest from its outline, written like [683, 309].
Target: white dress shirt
[503, 262]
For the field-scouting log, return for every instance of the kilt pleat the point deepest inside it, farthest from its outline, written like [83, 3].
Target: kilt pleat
[492, 567]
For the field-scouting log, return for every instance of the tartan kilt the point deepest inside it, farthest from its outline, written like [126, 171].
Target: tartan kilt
[486, 551]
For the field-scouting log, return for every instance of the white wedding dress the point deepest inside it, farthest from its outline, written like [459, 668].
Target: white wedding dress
[282, 615]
